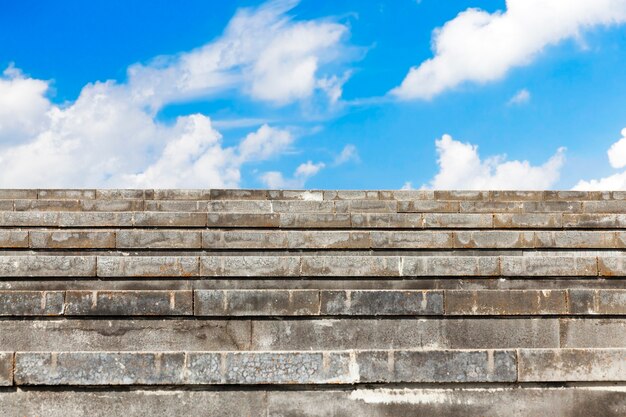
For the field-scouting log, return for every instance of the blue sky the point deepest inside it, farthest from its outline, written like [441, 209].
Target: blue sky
[287, 94]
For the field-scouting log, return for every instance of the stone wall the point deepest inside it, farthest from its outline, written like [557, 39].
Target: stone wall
[298, 303]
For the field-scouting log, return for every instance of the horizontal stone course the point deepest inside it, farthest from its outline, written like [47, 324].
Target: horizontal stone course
[128, 303]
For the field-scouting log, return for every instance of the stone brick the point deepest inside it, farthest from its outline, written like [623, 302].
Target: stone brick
[351, 266]
[168, 219]
[238, 194]
[594, 221]
[29, 219]
[240, 206]
[506, 302]
[308, 195]
[244, 239]
[351, 195]
[428, 206]
[94, 219]
[327, 240]
[112, 205]
[461, 195]
[435, 366]
[491, 207]
[495, 239]
[552, 207]
[6, 369]
[256, 302]
[576, 365]
[13, 239]
[576, 195]
[166, 239]
[412, 240]
[412, 194]
[366, 206]
[612, 266]
[120, 194]
[11, 194]
[302, 206]
[47, 266]
[461, 220]
[66, 194]
[31, 303]
[381, 302]
[176, 205]
[181, 194]
[547, 266]
[315, 220]
[250, 266]
[450, 266]
[507, 195]
[129, 303]
[599, 301]
[75, 239]
[47, 205]
[576, 239]
[244, 220]
[6, 205]
[615, 206]
[593, 332]
[147, 266]
[387, 220]
[527, 220]
[98, 368]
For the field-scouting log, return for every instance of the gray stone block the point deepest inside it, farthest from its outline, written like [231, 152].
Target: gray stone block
[47, 205]
[305, 195]
[552, 207]
[365, 206]
[548, 266]
[428, 206]
[576, 365]
[165, 239]
[112, 205]
[462, 195]
[238, 194]
[598, 301]
[387, 220]
[351, 195]
[460, 220]
[250, 266]
[244, 220]
[66, 194]
[593, 333]
[576, 239]
[99, 368]
[615, 206]
[315, 220]
[527, 220]
[47, 266]
[491, 207]
[129, 303]
[612, 266]
[176, 205]
[167, 219]
[506, 302]
[120, 194]
[6, 369]
[493, 239]
[412, 240]
[147, 266]
[181, 194]
[350, 266]
[31, 303]
[420, 266]
[256, 302]
[11, 194]
[240, 206]
[74, 239]
[381, 302]
[13, 239]
[301, 206]
[594, 221]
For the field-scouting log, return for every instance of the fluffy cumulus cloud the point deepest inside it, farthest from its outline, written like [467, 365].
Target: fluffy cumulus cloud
[478, 46]
[110, 135]
[275, 179]
[460, 167]
[617, 159]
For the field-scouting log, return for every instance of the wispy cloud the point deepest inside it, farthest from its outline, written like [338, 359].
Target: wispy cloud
[521, 97]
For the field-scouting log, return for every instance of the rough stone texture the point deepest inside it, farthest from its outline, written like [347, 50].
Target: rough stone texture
[386, 220]
[244, 220]
[6, 369]
[593, 333]
[147, 266]
[506, 302]
[544, 365]
[244, 266]
[586, 301]
[170, 239]
[411, 240]
[315, 220]
[75, 239]
[47, 266]
[515, 266]
[450, 266]
[162, 219]
[612, 266]
[13, 239]
[31, 303]
[256, 303]
[353, 266]
[128, 303]
[375, 303]
[527, 220]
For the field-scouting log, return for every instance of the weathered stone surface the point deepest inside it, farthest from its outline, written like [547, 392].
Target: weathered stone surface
[302, 206]
[493, 239]
[47, 205]
[387, 220]
[120, 194]
[176, 205]
[528, 220]
[166, 239]
[365, 206]
[428, 206]
[13, 239]
[31, 303]
[594, 221]
[552, 207]
[412, 240]
[305, 195]
[249, 266]
[315, 220]
[181, 194]
[147, 266]
[240, 206]
[66, 194]
[450, 266]
[615, 206]
[98, 368]
[533, 266]
[351, 195]
[490, 207]
[460, 220]
[589, 301]
[47, 266]
[576, 239]
[256, 302]
[112, 205]
[94, 219]
[461, 195]
[593, 333]
[374, 303]
[167, 219]
[74, 239]
[437, 366]
[238, 194]
[612, 266]
[129, 303]
[6, 369]
[10, 194]
[278, 239]
[244, 220]
[352, 266]
[506, 302]
[588, 365]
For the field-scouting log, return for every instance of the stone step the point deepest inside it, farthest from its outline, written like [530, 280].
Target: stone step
[311, 367]
[308, 239]
[313, 265]
[235, 303]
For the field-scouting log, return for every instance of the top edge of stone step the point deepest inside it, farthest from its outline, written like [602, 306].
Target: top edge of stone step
[260, 194]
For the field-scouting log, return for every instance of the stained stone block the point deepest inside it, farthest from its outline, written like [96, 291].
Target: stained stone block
[527, 220]
[47, 266]
[176, 205]
[240, 206]
[379, 302]
[428, 206]
[551, 266]
[181, 194]
[244, 219]
[74, 239]
[594, 221]
[167, 219]
[450, 266]
[28, 219]
[6, 205]
[506, 302]
[147, 266]
[351, 266]
[302, 206]
[238, 194]
[11, 194]
[66, 194]
[13, 239]
[112, 205]
[552, 207]
[593, 332]
[507, 195]
[437, 366]
[315, 220]
[93, 219]
[6, 369]
[493, 239]
[308, 195]
[274, 239]
[250, 266]
[387, 220]
[128, 303]
[256, 302]
[460, 220]
[615, 206]
[120, 194]
[461, 195]
[166, 239]
[31, 303]
[576, 239]
[598, 301]
[351, 195]
[327, 240]
[584, 365]
[47, 205]
[99, 368]
[365, 206]
[490, 206]
[612, 266]
[412, 240]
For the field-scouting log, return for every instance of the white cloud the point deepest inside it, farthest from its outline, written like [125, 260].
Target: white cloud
[521, 97]
[617, 159]
[348, 153]
[275, 179]
[109, 136]
[477, 46]
[460, 167]
[407, 186]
